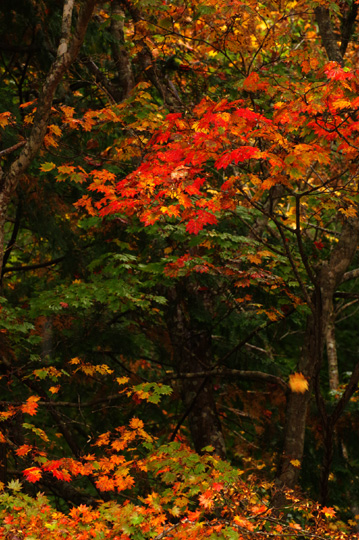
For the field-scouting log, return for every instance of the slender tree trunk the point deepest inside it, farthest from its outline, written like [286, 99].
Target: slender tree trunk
[126, 80]
[328, 279]
[68, 49]
[298, 403]
[333, 371]
[192, 352]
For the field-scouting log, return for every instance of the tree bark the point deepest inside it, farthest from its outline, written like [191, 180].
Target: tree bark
[192, 352]
[69, 46]
[125, 77]
[327, 280]
[329, 41]
[332, 355]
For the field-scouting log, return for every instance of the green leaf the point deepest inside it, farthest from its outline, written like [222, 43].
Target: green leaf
[14, 485]
[48, 166]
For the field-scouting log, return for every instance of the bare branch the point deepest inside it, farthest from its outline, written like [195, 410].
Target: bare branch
[224, 372]
[12, 148]
[352, 274]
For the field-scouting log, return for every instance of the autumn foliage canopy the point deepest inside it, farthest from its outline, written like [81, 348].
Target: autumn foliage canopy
[178, 235]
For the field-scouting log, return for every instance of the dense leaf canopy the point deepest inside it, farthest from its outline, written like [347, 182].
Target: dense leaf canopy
[178, 236]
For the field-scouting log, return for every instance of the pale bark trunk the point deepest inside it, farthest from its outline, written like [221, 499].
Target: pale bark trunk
[119, 52]
[67, 52]
[333, 371]
[327, 281]
[330, 433]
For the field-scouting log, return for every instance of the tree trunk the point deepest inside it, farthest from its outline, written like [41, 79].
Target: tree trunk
[327, 280]
[333, 371]
[69, 46]
[297, 407]
[192, 352]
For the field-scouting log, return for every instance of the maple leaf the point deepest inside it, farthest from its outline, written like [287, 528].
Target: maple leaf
[194, 226]
[31, 405]
[328, 511]
[122, 380]
[4, 119]
[194, 516]
[23, 450]
[46, 167]
[253, 83]
[336, 72]
[298, 383]
[105, 483]
[136, 423]
[243, 523]
[238, 155]
[258, 509]
[32, 474]
[206, 499]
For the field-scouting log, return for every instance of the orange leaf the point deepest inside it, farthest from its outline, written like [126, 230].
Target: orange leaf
[31, 405]
[23, 450]
[243, 523]
[328, 512]
[205, 500]
[4, 119]
[298, 383]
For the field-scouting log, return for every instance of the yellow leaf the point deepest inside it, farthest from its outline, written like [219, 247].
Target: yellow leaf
[348, 212]
[295, 463]
[341, 104]
[298, 383]
[122, 380]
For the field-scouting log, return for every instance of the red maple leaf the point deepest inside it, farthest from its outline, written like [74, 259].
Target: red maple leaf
[32, 474]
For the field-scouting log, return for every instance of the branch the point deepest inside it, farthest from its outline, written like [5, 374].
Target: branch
[23, 268]
[12, 240]
[290, 258]
[298, 233]
[348, 27]
[224, 372]
[189, 408]
[74, 404]
[349, 391]
[101, 78]
[167, 531]
[352, 274]
[250, 335]
[12, 148]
